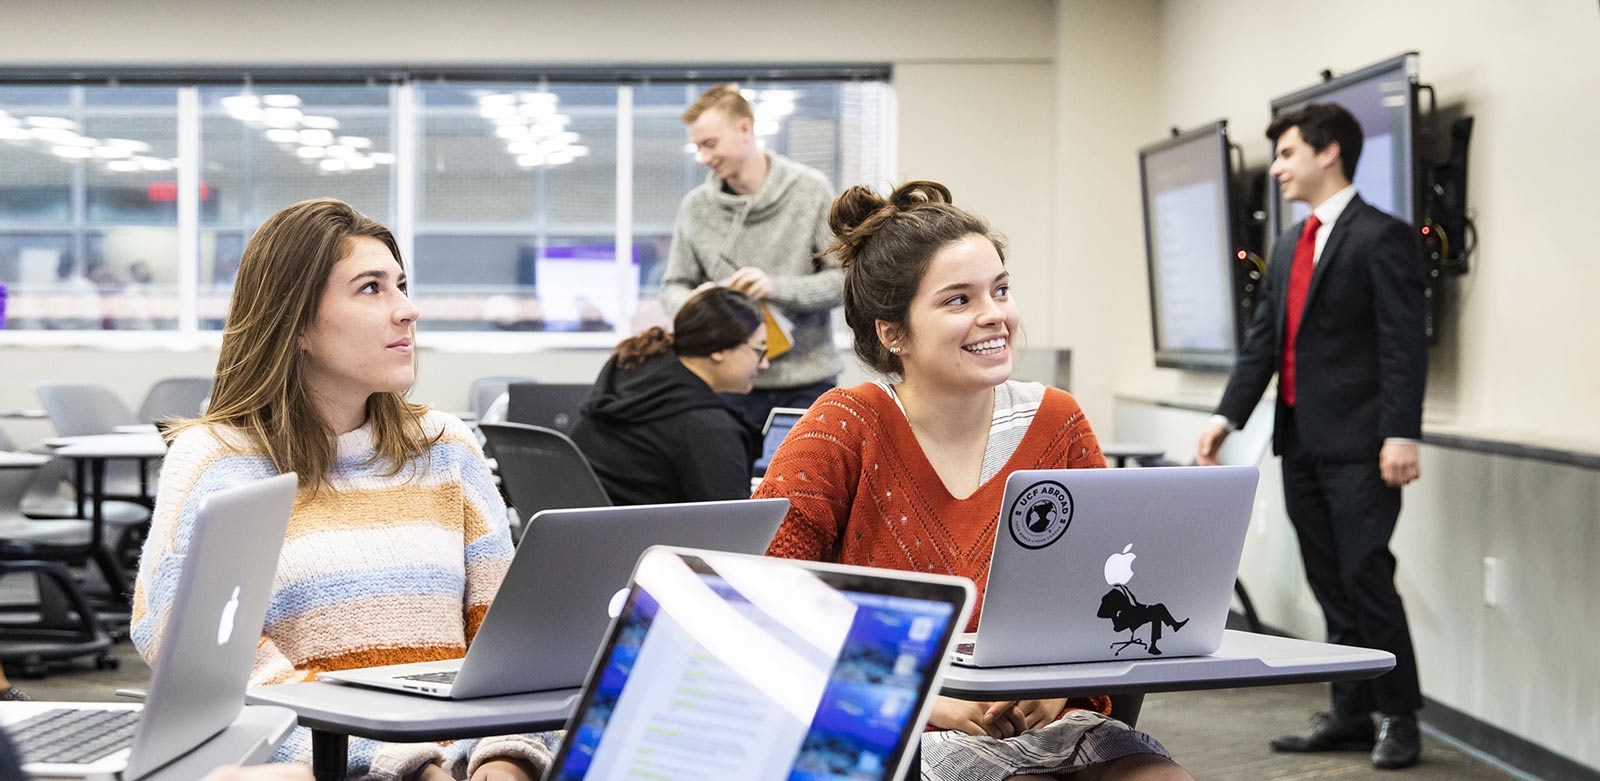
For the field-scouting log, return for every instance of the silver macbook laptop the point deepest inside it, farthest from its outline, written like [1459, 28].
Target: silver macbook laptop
[551, 610]
[198, 679]
[1098, 564]
[762, 669]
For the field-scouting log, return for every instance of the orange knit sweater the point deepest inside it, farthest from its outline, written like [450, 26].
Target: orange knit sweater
[862, 492]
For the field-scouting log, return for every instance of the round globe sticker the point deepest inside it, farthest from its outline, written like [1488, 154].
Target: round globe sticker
[1041, 514]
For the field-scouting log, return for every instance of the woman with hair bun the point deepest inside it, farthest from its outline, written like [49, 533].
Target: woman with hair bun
[907, 472]
[655, 429]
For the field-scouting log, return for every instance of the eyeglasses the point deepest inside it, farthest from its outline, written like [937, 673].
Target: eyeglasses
[761, 351]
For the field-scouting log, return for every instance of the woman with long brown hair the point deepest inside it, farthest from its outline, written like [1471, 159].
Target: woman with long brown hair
[655, 428]
[398, 539]
[907, 472]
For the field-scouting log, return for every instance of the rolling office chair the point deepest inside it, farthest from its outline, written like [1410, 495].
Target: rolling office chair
[62, 624]
[542, 469]
[175, 397]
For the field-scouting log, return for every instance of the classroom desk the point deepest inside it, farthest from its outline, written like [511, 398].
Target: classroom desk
[92, 453]
[334, 712]
[1245, 659]
[249, 740]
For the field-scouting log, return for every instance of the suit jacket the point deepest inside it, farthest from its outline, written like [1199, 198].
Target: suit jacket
[1361, 355]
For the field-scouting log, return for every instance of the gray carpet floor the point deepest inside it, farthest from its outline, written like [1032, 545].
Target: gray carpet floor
[1215, 735]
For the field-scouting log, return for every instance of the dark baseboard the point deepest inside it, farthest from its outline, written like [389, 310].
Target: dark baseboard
[1515, 751]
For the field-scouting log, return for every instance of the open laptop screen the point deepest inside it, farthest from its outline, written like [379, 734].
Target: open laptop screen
[751, 668]
[778, 424]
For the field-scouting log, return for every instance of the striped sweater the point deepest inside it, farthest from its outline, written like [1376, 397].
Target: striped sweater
[383, 569]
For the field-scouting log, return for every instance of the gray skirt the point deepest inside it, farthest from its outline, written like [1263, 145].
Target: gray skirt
[1077, 740]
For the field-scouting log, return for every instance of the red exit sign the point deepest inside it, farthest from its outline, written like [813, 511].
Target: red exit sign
[168, 191]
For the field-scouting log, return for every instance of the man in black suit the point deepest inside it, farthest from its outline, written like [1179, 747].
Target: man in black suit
[1340, 321]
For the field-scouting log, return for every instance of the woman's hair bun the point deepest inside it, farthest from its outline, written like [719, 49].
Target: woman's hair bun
[917, 192]
[853, 207]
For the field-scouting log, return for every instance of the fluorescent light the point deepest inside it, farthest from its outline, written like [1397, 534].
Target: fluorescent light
[332, 164]
[526, 146]
[780, 95]
[153, 163]
[122, 166]
[311, 152]
[360, 163]
[6, 121]
[497, 110]
[249, 114]
[338, 150]
[71, 152]
[382, 158]
[283, 135]
[578, 151]
[112, 152]
[537, 109]
[766, 127]
[494, 98]
[52, 122]
[529, 161]
[282, 117]
[14, 134]
[545, 129]
[281, 101]
[511, 131]
[689, 148]
[540, 98]
[356, 142]
[56, 135]
[319, 122]
[128, 144]
[315, 137]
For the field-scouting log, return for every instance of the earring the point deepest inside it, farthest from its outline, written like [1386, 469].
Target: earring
[895, 350]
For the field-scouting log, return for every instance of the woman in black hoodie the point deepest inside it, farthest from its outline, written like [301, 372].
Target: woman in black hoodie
[655, 429]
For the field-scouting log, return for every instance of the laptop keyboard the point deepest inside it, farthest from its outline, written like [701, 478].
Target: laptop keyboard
[449, 676]
[73, 736]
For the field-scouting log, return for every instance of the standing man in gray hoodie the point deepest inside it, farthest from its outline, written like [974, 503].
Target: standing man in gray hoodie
[758, 224]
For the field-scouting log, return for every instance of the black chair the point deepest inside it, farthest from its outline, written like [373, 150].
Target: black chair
[550, 405]
[485, 390]
[62, 624]
[542, 469]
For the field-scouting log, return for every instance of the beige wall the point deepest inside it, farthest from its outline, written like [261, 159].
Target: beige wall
[1518, 355]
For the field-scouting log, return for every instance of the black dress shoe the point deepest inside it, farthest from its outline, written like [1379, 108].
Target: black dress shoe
[1399, 743]
[1329, 732]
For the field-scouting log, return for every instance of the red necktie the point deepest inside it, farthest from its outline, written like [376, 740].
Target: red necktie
[1299, 285]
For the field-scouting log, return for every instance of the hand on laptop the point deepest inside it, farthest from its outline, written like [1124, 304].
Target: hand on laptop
[279, 772]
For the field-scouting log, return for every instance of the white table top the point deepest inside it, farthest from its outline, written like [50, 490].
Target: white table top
[1245, 659]
[400, 717]
[109, 446]
[136, 428]
[10, 459]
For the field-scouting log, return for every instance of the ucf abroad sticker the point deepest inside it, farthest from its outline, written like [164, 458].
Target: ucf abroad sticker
[1040, 515]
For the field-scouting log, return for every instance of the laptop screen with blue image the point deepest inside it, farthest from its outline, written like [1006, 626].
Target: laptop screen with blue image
[751, 668]
[778, 424]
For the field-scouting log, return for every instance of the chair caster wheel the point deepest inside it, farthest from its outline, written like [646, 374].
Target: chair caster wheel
[107, 662]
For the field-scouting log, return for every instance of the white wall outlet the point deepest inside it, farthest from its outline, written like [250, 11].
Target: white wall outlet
[1491, 581]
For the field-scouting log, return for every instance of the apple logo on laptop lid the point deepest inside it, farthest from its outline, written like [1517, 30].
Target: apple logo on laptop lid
[225, 626]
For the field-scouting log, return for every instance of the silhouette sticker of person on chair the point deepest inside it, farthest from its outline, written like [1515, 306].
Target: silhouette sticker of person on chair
[1127, 614]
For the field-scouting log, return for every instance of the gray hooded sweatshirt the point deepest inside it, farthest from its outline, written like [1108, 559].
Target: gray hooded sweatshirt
[779, 230]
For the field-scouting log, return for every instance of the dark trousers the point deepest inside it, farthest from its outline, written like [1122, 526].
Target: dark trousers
[755, 405]
[1344, 515]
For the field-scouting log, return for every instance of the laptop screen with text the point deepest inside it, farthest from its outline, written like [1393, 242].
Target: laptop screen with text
[762, 671]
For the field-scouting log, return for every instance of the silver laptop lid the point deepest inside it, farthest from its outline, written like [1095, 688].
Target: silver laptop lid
[760, 669]
[219, 605]
[551, 609]
[1086, 559]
